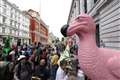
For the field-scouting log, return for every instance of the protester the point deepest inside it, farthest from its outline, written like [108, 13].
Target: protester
[37, 53]
[6, 69]
[23, 70]
[65, 52]
[11, 55]
[80, 75]
[61, 72]
[38, 61]
[41, 71]
[6, 49]
[43, 55]
[54, 65]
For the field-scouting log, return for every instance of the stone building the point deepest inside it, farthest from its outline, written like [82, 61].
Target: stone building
[44, 30]
[38, 29]
[51, 38]
[13, 23]
[106, 14]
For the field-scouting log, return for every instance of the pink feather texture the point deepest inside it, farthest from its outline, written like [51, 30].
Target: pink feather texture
[97, 63]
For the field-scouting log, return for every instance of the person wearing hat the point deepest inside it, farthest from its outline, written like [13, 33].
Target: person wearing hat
[23, 70]
[21, 57]
[61, 72]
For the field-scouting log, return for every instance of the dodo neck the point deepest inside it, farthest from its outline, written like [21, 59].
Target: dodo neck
[87, 46]
[88, 53]
[87, 40]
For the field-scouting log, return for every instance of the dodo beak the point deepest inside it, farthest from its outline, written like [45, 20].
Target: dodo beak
[64, 30]
[74, 27]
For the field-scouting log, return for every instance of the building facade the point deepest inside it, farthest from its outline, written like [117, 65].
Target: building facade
[44, 30]
[106, 14]
[13, 23]
[38, 29]
[51, 38]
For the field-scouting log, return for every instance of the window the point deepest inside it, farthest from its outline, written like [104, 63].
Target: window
[3, 30]
[11, 10]
[18, 25]
[4, 19]
[15, 17]
[4, 11]
[0, 29]
[0, 2]
[4, 39]
[1, 19]
[10, 31]
[4, 3]
[10, 22]
[15, 32]
[11, 15]
[85, 6]
[95, 1]
[15, 24]
[1, 9]
[75, 5]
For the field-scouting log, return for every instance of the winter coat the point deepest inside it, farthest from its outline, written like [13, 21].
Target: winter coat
[6, 70]
[23, 71]
[41, 72]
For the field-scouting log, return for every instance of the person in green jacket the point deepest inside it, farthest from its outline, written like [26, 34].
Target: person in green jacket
[6, 49]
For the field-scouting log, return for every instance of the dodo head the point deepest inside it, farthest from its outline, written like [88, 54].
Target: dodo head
[81, 24]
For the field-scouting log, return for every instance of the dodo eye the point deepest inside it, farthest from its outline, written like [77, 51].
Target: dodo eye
[78, 18]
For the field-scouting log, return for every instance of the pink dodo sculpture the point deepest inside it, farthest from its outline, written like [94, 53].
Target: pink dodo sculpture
[97, 63]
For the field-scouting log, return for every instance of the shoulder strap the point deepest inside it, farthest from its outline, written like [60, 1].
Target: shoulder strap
[19, 70]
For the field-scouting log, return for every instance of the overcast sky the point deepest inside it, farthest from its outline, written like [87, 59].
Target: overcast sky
[53, 12]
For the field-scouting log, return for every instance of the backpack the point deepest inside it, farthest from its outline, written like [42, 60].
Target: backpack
[6, 71]
[27, 71]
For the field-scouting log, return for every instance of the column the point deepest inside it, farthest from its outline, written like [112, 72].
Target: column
[90, 4]
[77, 7]
[82, 9]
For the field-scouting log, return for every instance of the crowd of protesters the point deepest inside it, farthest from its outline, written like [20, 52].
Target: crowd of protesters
[39, 62]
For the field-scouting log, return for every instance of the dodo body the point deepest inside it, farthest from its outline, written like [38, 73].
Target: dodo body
[97, 63]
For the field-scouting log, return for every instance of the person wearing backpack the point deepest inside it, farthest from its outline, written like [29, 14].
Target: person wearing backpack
[23, 70]
[6, 69]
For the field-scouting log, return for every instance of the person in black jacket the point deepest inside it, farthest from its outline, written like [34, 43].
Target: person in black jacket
[6, 69]
[23, 70]
[41, 70]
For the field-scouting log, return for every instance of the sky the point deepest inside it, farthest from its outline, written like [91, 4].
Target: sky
[53, 12]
